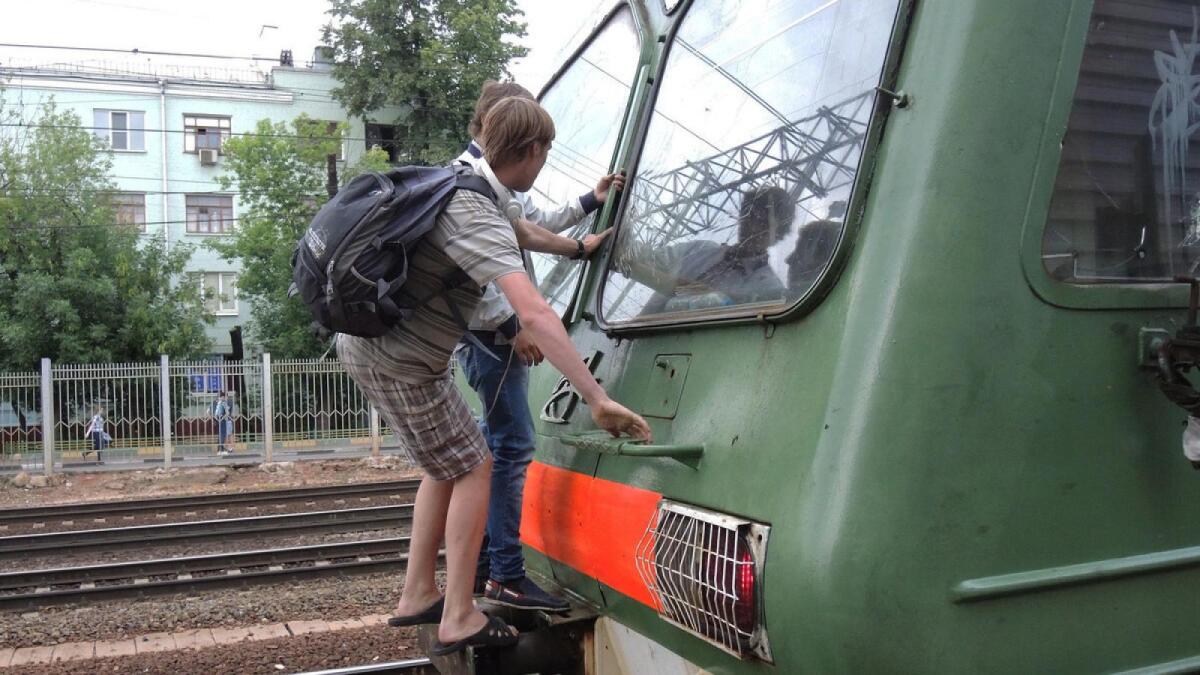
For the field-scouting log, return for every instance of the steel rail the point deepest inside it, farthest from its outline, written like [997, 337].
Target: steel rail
[43, 588]
[170, 504]
[308, 523]
[408, 667]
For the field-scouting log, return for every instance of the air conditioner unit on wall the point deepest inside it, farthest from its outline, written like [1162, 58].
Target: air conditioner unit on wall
[208, 156]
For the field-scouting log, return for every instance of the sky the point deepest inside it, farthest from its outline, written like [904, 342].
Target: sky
[244, 28]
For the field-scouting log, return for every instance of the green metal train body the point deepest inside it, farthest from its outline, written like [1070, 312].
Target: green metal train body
[946, 431]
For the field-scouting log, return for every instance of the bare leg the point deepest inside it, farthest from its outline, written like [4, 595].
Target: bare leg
[429, 524]
[465, 521]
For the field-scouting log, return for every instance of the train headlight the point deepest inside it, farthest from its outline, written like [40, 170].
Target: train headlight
[704, 570]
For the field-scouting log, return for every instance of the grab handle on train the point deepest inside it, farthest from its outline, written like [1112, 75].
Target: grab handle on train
[603, 443]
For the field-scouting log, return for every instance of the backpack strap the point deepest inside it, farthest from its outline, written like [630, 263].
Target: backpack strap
[449, 282]
[476, 184]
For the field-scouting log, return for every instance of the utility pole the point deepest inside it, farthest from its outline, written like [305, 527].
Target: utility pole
[331, 177]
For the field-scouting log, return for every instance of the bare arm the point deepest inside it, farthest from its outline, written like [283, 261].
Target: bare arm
[531, 237]
[571, 212]
[547, 331]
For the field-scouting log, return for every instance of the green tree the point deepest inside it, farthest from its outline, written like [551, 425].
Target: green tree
[76, 285]
[428, 57]
[281, 173]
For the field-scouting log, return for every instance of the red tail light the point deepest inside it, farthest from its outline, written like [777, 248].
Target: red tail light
[703, 569]
[746, 584]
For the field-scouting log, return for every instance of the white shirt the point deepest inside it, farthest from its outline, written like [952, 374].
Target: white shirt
[494, 308]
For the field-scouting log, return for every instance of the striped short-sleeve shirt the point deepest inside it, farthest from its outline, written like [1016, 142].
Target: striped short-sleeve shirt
[470, 234]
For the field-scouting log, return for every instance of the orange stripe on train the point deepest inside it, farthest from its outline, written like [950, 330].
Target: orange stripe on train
[591, 524]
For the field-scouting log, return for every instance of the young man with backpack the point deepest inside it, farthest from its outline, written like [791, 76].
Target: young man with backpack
[405, 373]
[500, 377]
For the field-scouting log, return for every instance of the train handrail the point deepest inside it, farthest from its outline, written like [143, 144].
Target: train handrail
[603, 443]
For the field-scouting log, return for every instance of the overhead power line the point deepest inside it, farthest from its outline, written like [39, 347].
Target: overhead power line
[36, 125]
[139, 52]
[192, 55]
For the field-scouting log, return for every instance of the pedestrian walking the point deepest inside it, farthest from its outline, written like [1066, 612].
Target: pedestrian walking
[222, 412]
[96, 433]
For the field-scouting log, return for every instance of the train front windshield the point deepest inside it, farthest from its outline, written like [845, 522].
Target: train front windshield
[750, 158]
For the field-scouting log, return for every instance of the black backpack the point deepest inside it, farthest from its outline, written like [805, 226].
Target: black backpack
[350, 267]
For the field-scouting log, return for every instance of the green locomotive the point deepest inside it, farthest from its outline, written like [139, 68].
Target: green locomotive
[888, 281]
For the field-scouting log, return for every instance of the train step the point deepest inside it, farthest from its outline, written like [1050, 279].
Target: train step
[548, 643]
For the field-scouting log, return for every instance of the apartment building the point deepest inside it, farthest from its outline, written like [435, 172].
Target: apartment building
[166, 126]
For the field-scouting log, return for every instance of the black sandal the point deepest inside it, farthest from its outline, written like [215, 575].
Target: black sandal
[432, 614]
[495, 633]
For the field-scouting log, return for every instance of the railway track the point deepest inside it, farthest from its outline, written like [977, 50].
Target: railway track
[341, 520]
[43, 588]
[114, 509]
[409, 667]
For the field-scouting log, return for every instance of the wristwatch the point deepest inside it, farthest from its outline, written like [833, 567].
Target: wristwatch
[578, 253]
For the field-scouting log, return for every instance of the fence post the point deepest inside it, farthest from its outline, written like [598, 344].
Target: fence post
[47, 418]
[268, 407]
[164, 386]
[375, 435]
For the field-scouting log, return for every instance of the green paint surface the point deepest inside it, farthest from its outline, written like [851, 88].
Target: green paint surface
[945, 414]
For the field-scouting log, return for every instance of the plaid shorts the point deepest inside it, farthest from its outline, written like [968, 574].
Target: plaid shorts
[432, 421]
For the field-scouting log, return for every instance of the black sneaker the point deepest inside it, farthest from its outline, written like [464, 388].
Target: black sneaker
[480, 587]
[523, 594]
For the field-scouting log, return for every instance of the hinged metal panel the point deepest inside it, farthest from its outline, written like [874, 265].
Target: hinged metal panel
[664, 386]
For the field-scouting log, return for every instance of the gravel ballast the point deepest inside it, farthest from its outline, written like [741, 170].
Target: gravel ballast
[144, 483]
[328, 599]
[298, 653]
[199, 513]
[131, 553]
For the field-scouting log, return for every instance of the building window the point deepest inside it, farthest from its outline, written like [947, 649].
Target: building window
[386, 137]
[204, 132]
[329, 129]
[209, 214]
[129, 208]
[122, 130]
[220, 292]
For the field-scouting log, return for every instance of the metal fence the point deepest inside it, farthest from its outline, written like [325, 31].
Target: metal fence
[21, 417]
[167, 411]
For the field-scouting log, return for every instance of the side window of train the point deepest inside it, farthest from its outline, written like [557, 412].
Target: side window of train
[587, 102]
[750, 158]
[1126, 201]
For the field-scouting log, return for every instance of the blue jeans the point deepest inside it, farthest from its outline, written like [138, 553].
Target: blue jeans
[224, 429]
[509, 434]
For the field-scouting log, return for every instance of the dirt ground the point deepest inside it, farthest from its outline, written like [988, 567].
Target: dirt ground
[144, 483]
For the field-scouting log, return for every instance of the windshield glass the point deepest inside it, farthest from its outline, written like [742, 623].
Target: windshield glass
[741, 192]
[1126, 204]
[587, 103]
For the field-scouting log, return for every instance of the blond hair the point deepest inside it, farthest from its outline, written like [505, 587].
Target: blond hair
[511, 128]
[492, 92]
